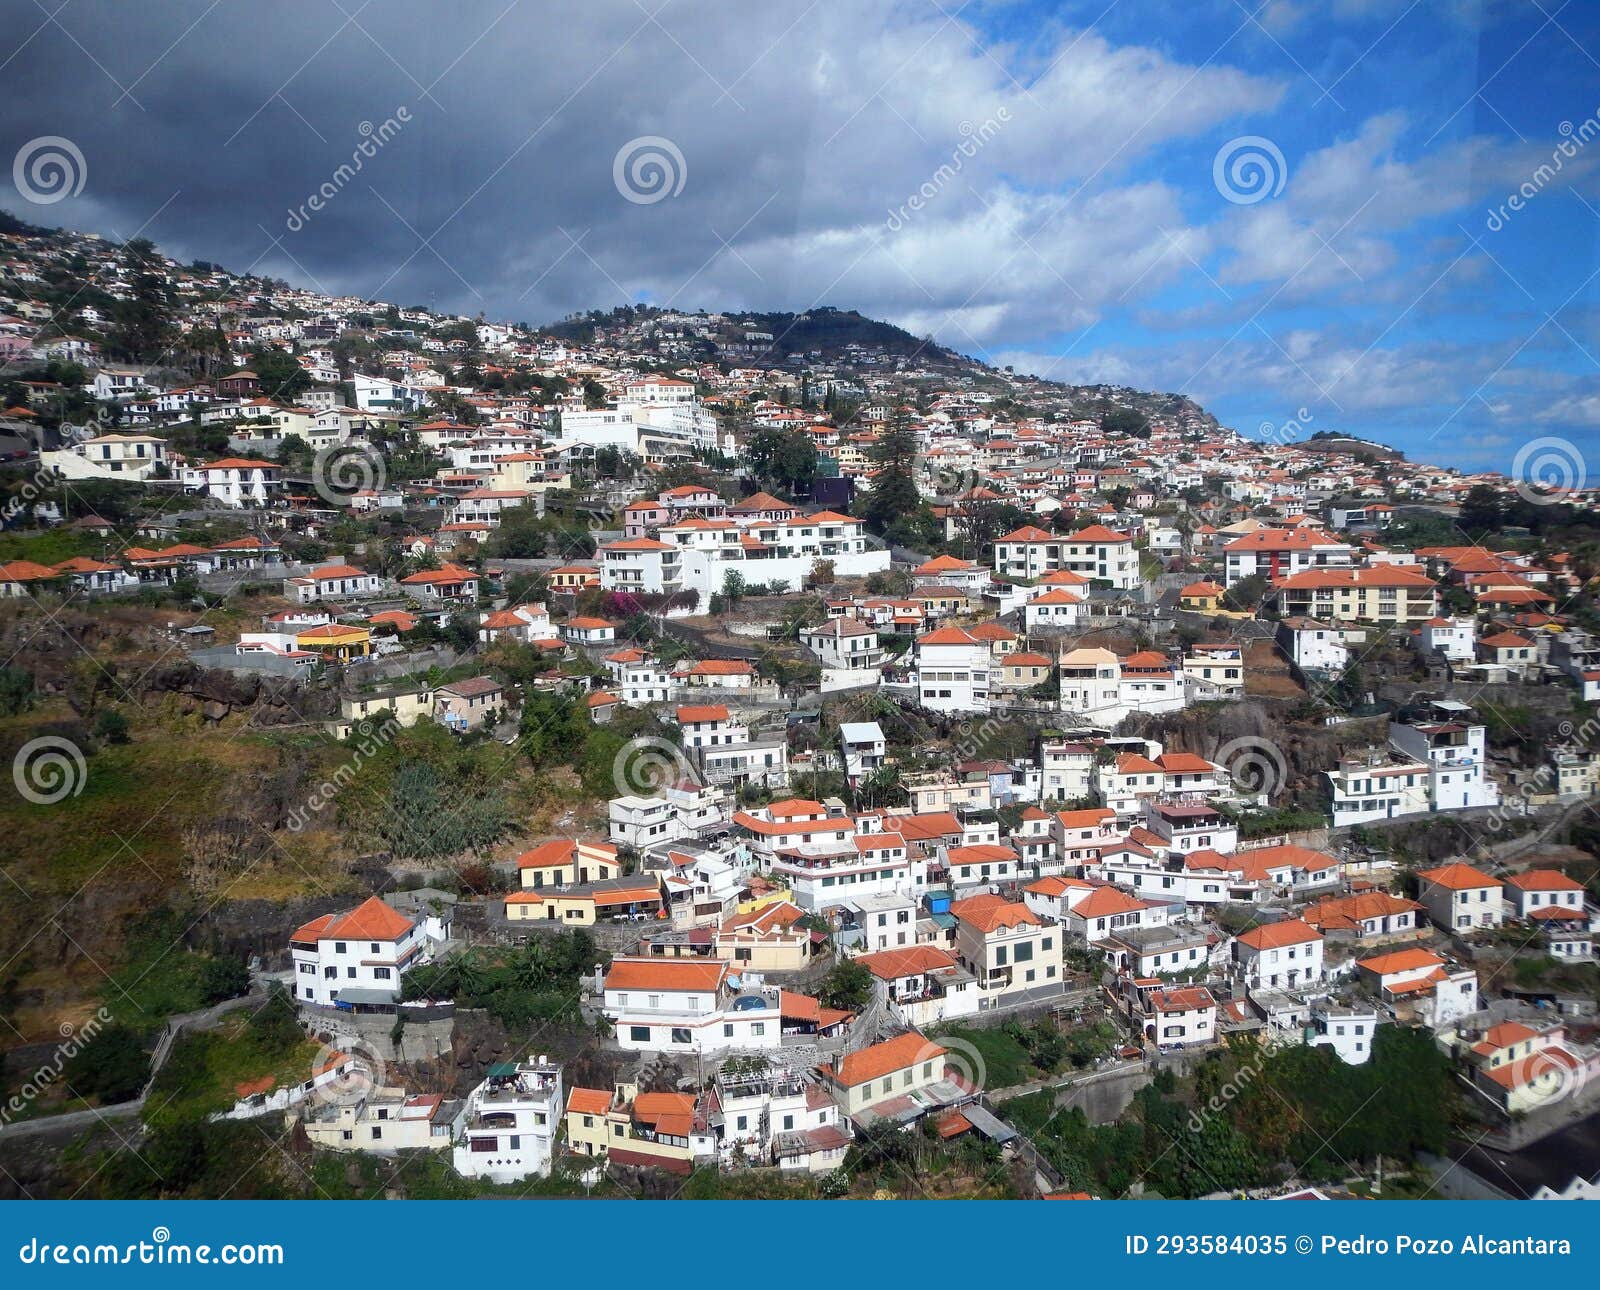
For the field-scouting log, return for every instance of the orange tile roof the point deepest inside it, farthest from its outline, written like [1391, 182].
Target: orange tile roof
[909, 961]
[666, 974]
[909, 1049]
[1543, 880]
[1408, 960]
[1272, 936]
[1457, 877]
[588, 1101]
[990, 913]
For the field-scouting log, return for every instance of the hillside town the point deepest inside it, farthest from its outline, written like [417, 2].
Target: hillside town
[684, 753]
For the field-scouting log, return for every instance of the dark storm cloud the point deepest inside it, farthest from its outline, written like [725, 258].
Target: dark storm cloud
[494, 190]
[801, 129]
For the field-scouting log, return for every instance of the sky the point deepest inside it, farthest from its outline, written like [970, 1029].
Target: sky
[1377, 217]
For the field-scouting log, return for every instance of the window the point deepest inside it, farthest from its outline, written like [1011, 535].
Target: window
[680, 1035]
[382, 974]
[639, 1034]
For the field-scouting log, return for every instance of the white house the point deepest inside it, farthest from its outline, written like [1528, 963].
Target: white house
[364, 949]
[1279, 956]
[952, 671]
[689, 1006]
[1460, 898]
[512, 1122]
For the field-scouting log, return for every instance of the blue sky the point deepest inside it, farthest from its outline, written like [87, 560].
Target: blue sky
[1032, 184]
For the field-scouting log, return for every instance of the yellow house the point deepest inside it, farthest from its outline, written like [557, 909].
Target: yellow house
[771, 939]
[634, 1128]
[336, 641]
[898, 1067]
[572, 578]
[627, 899]
[566, 862]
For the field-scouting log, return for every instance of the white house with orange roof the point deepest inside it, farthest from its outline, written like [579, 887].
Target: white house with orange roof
[689, 1006]
[952, 671]
[1528, 892]
[364, 949]
[1522, 1066]
[449, 584]
[1418, 982]
[1176, 1016]
[923, 984]
[1279, 956]
[1279, 553]
[1095, 552]
[332, 582]
[1461, 898]
[237, 481]
[908, 1069]
[525, 623]
[1052, 609]
[1454, 637]
[952, 571]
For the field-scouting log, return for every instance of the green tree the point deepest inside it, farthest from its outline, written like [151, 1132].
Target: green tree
[848, 985]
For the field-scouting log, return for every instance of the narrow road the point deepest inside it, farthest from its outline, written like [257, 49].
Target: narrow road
[89, 1117]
